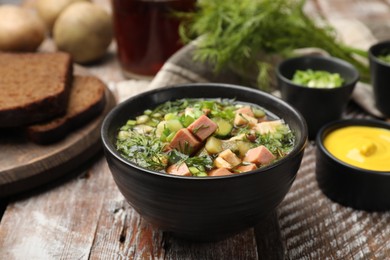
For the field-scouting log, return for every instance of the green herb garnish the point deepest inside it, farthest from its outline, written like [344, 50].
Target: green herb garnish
[280, 142]
[384, 58]
[144, 150]
[317, 79]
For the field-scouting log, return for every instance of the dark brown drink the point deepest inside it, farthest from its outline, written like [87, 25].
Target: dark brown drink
[147, 33]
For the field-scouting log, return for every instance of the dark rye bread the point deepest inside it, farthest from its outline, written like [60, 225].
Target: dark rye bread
[33, 87]
[87, 100]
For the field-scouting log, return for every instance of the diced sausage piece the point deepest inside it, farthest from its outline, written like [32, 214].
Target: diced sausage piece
[230, 157]
[246, 168]
[180, 169]
[268, 126]
[202, 127]
[220, 172]
[245, 117]
[259, 155]
[184, 141]
[222, 163]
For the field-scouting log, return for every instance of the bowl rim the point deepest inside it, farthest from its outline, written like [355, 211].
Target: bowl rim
[330, 59]
[326, 129]
[299, 146]
[374, 57]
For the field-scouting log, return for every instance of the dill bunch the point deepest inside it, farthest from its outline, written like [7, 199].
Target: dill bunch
[249, 33]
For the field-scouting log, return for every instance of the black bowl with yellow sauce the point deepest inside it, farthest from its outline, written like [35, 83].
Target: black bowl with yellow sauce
[206, 208]
[353, 163]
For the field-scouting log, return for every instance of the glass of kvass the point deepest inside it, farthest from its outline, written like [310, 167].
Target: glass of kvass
[146, 33]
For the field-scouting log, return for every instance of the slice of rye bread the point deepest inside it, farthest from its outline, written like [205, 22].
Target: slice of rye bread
[87, 100]
[33, 87]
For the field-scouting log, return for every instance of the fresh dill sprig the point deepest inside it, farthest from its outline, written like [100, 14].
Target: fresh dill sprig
[247, 34]
[278, 146]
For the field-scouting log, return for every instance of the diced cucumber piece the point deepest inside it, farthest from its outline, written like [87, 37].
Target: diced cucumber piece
[193, 112]
[243, 147]
[170, 116]
[122, 135]
[148, 112]
[224, 127]
[125, 128]
[193, 170]
[170, 136]
[156, 115]
[160, 128]
[258, 112]
[174, 125]
[202, 174]
[201, 168]
[131, 122]
[213, 145]
[187, 120]
[153, 122]
[208, 104]
[142, 119]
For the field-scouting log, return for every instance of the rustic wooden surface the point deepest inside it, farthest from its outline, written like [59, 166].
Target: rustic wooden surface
[83, 215]
[24, 165]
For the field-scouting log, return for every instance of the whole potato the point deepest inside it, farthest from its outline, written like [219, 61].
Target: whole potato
[49, 10]
[84, 30]
[20, 29]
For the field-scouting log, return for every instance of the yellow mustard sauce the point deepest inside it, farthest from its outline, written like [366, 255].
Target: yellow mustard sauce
[361, 146]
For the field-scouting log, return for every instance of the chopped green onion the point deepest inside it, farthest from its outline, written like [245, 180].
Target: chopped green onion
[317, 79]
[384, 58]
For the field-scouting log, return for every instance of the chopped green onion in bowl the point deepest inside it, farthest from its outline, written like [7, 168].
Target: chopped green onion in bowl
[384, 58]
[317, 79]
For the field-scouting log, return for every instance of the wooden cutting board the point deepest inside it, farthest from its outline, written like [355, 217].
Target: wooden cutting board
[25, 165]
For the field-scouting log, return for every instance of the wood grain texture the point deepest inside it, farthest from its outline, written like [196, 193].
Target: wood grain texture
[57, 228]
[95, 222]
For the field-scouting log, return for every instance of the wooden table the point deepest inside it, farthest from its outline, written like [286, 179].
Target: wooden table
[84, 216]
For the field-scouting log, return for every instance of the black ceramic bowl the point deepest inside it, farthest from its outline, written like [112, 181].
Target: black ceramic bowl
[380, 76]
[317, 105]
[207, 208]
[346, 184]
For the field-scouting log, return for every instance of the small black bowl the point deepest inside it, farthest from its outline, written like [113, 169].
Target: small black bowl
[317, 105]
[380, 76]
[207, 208]
[346, 184]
